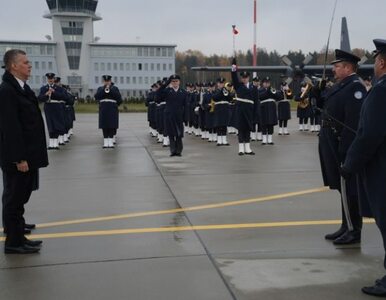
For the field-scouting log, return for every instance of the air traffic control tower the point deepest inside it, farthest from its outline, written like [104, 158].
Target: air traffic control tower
[72, 27]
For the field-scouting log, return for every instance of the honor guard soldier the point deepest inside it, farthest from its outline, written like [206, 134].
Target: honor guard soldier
[284, 108]
[340, 114]
[246, 97]
[367, 156]
[175, 99]
[70, 111]
[109, 99]
[222, 97]
[67, 112]
[54, 98]
[160, 111]
[151, 107]
[268, 112]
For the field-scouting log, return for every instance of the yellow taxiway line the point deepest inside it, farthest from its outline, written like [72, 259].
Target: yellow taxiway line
[186, 228]
[186, 209]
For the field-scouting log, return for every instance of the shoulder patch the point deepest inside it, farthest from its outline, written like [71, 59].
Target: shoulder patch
[358, 95]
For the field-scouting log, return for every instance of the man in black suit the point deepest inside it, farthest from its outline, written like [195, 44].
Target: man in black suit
[22, 149]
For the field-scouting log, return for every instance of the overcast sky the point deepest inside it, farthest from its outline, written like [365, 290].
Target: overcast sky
[206, 25]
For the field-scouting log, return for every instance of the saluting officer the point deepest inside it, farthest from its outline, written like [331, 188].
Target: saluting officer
[367, 156]
[54, 98]
[341, 106]
[175, 99]
[246, 96]
[109, 99]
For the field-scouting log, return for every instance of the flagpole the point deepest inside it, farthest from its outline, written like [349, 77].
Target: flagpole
[234, 39]
[254, 36]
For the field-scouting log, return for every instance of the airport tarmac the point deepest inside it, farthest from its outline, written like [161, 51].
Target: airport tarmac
[134, 223]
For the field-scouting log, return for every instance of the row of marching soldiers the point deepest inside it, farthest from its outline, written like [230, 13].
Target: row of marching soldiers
[223, 107]
[59, 111]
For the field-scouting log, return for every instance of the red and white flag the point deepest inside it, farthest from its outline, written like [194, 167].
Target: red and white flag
[234, 30]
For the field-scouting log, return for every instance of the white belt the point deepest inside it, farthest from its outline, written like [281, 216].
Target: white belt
[284, 100]
[221, 102]
[56, 101]
[268, 100]
[245, 100]
[108, 100]
[152, 102]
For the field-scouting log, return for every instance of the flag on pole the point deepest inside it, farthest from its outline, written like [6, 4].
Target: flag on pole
[235, 31]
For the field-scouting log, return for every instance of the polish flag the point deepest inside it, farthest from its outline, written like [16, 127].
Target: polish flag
[235, 31]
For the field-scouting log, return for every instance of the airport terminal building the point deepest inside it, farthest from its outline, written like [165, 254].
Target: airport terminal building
[74, 54]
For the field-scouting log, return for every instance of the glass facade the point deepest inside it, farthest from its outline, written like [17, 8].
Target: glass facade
[73, 35]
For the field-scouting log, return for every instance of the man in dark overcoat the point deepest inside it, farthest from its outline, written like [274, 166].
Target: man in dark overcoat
[23, 149]
[175, 99]
[367, 156]
[340, 114]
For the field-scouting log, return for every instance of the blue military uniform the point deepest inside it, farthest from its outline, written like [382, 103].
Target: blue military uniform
[246, 97]
[222, 98]
[367, 157]
[341, 107]
[174, 115]
[268, 111]
[54, 109]
[109, 99]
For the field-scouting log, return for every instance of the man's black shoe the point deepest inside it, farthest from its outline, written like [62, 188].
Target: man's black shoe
[336, 234]
[31, 243]
[376, 290]
[172, 154]
[25, 249]
[29, 226]
[349, 238]
[250, 153]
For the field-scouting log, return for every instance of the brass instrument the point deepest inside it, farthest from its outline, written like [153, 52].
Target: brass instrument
[229, 87]
[51, 89]
[212, 105]
[272, 90]
[304, 99]
[107, 89]
[225, 92]
[289, 94]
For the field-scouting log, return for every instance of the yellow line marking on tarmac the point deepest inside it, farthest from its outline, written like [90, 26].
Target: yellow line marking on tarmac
[186, 209]
[185, 228]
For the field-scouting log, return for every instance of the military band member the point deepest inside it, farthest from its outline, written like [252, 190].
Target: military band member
[54, 98]
[256, 134]
[109, 99]
[304, 109]
[188, 128]
[208, 107]
[222, 97]
[194, 109]
[268, 112]
[175, 99]
[284, 109]
[367, 156]
[341, 106]
[246, 96]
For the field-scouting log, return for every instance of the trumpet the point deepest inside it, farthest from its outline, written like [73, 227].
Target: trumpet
[107, 89]
[288, 93]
